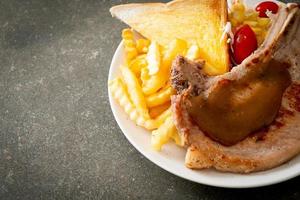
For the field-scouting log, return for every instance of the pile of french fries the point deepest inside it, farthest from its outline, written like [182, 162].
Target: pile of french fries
[143, 89]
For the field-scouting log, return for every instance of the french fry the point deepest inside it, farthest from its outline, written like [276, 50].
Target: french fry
[175, 136]
[193, 52]
[238, 13]
[142, 45]
[263, 22]
[127, 34]
[153, 58]
[137, 64]
[163, 134]
[129, 44]
[144, 76]
[160, 97]
[156, 111]
[155, 82]
[257, 31]
[119, 92]
[250, 15]
[176, 47]
[210, 69]
[135, 91]
[251, 23]
[158, 121]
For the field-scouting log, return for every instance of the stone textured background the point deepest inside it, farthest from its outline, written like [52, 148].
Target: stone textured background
[58, 138]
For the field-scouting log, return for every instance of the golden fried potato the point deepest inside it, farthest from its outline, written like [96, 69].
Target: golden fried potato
[119, 92]
[175, 136]
[160, 97]
[176, 47]
[127, 34]
[142, 45]
[137, 64]
[158, 80]
[193, 52]
[135, 91]
[129, 44]
[156, 111]
[153, 58]
[158, 121]
[163, 134]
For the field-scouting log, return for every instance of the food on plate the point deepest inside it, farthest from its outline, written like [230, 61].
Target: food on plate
[145, 95]
[142, 45]
[247, 119]
[163, 133]
[244, 43]
[196, 22]
[161, 97]
[136, 93]
[225, 85]
[193, 52]
[224, 109]
[152, 83]
[157, 110]
[120, 92]
[150, 59]
[129, 44]
[239, 15]
[266, 6]
[137, 64]
[153, 58]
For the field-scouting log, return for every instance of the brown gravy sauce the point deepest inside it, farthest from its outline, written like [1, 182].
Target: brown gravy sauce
[237, 108]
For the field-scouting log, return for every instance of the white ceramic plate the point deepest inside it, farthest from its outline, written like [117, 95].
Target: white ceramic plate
[171, 158]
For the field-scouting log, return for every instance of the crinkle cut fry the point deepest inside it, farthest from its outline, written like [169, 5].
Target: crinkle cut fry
[119, 92]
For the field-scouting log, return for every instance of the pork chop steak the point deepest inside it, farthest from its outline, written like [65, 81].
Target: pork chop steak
[265, 86]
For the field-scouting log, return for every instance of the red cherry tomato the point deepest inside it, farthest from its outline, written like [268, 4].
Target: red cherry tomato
[265, 6]
[244, 43]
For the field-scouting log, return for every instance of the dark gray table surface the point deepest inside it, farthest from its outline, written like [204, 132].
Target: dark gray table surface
[58, 137]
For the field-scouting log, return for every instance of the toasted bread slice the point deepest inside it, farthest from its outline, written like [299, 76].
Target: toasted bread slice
[198, 22]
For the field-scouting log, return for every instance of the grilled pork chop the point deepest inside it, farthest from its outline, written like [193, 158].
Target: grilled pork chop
[274, 120]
